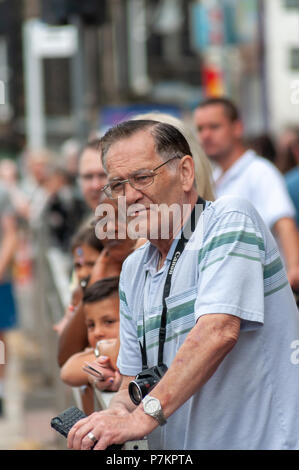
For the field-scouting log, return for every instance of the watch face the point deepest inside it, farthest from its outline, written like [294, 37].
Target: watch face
[152, 406]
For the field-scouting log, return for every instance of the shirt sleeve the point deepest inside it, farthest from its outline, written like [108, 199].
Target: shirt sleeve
[129, 358]
[271, 197]
[231, 271]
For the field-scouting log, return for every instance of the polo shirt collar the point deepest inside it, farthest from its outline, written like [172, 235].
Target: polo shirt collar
[153, 253]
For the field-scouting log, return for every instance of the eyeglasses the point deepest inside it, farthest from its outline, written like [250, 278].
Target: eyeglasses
[139, 180]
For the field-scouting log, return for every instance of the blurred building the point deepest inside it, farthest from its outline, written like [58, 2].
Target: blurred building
[282, 62]
[11, 78]
[67, 63]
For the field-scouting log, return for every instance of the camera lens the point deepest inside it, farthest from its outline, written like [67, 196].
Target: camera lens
[138, 389]
[135, 393]
[145, 382]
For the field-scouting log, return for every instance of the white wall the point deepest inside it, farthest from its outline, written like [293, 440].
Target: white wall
[281, 34]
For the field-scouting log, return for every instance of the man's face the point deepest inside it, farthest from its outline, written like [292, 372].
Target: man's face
[217, 134]
[92, 177]
[135, 153]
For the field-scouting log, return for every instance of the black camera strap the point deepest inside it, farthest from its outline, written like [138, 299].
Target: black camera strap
[177, 253]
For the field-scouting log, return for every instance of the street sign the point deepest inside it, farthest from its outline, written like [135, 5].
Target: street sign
[54, 41]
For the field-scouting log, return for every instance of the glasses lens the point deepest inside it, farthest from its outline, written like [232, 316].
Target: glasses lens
[141, 181]
[114, 190]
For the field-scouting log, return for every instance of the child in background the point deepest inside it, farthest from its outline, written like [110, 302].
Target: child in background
[101, 311]
[86, 248]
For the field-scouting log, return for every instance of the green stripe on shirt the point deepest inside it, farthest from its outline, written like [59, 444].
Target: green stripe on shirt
[122, 296]
[272, 268]
[173, 314]
[231, 237]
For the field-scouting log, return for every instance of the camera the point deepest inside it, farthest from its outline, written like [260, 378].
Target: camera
[145, 381]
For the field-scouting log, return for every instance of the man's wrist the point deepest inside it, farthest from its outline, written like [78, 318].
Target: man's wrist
[153, 408]
[119, 410]
[118, 405]
[145, 423]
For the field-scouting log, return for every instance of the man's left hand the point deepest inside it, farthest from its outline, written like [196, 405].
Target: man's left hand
[109, 427]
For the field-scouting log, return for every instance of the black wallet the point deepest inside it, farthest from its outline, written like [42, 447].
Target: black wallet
[66, 420]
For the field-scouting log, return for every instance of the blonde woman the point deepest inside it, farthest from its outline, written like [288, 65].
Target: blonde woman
[203, 170]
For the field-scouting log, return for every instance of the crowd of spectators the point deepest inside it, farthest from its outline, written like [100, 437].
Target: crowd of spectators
[61, 191]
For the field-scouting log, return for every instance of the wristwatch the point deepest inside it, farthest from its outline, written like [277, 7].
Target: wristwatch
[152, 407]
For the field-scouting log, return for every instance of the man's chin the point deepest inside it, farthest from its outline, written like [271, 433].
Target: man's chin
[214, 157]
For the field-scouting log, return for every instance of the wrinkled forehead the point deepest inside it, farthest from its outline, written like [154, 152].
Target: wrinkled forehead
[131, 153]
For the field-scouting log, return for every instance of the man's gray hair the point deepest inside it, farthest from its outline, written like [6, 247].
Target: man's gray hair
[169, 141]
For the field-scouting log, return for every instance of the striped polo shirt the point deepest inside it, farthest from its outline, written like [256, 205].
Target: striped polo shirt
[230, 265]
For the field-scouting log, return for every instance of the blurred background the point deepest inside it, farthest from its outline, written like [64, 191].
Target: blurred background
[69, 69]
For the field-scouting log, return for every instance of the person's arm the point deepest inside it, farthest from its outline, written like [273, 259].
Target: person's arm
[72, 373]
[287, 234]
[73, 337]
[205, 347]
[212, 338]
[76, 298]
[8, 244]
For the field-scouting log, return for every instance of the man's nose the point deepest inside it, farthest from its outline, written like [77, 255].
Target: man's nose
[97, 183]
[132, 195]
[204, 134]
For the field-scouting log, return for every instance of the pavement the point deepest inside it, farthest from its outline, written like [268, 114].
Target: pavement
[32, 398]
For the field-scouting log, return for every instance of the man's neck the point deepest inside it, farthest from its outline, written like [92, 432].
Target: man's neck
[230, 159]
[164, 245]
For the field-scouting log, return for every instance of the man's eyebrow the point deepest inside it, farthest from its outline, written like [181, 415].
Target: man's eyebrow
[117, 178]
[131, 174]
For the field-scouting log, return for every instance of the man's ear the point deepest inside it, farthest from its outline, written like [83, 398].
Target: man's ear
[187, 173]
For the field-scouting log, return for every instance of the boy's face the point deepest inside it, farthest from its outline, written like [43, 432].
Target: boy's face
[102, 319]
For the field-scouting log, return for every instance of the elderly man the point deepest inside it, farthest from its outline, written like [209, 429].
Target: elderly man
[221, 298]
[240, 172]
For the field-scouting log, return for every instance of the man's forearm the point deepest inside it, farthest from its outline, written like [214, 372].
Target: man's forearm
[71, 372]
[198, 358]
[287, 234]
[196, 361]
